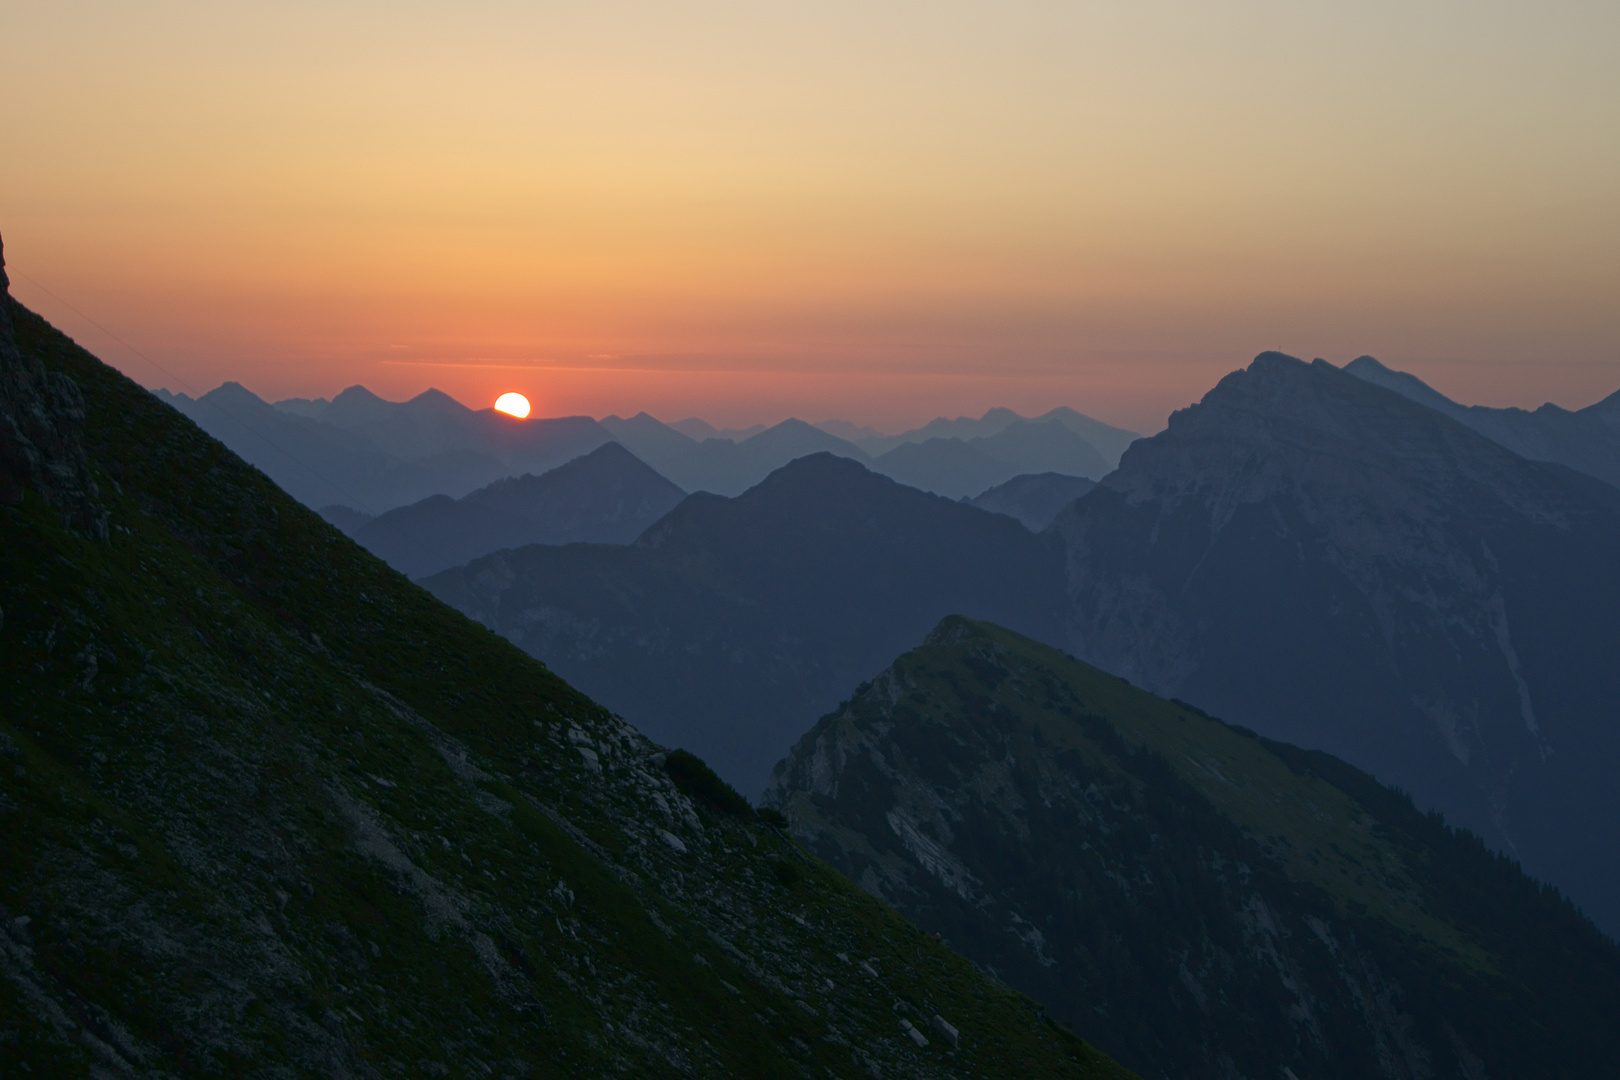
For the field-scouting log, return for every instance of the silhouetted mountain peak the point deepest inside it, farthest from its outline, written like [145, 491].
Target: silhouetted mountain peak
[1283, 424]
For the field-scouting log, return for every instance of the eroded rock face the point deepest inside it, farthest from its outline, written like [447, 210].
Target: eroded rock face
[41, 421]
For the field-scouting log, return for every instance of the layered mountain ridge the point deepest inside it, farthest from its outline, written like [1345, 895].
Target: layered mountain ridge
[608, 496]
[731, 624]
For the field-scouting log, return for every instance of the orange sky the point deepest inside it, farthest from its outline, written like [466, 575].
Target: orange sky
[879, 212]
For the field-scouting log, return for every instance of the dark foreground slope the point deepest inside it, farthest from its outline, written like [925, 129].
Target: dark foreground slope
[266, 809]
[732, 624]
[1336, 566]
[607, 496]
[1205, 902]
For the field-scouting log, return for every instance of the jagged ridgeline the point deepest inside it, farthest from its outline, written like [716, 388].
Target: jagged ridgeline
[1202, 902]
[267, 809]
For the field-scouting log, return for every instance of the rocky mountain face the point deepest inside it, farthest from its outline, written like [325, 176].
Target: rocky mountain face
[1587, 440]
[1336, 566]
[1203, 901]
[1033, 498]
[267, 809]
[607, 496]
[732, 624]
[41, 417]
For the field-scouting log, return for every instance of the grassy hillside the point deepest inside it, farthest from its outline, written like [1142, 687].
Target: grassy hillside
[1204, 902]
[267, 809]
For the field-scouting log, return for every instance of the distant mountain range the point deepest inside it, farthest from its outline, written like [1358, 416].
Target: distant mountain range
[1202, 901]
[732, 624]
[1587, 440]
[608, 496]
[1334, 565]
[370, 455]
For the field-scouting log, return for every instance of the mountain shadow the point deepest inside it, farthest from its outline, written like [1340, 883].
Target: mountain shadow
[1341, 568]
[607, 496]
[732, 624]
[268, 809]
[1208, 903]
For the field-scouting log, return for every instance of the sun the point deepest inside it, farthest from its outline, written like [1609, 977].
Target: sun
[513, 405]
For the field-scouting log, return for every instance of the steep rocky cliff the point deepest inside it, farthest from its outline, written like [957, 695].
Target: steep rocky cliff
[1206, 903]
[1334, 565]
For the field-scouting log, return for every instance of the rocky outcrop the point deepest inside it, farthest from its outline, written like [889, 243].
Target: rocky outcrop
[41, 426]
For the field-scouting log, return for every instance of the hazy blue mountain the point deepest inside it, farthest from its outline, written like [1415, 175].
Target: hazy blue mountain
[720, 465]
[607, 496]
[1044, 446]
[1109, 442]
[310, 408]
[1333, 565]
[435, 426]
[732, 624]
[269, 810]
[1206, 902]
[958, 468]
[1587, 440]
[373, 455]
[650, 439]
[315, 463]
[949, 467]
[850, 432]
[698, 430]
[1033, 498]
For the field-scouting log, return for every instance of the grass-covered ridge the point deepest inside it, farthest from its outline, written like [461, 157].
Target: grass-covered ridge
[1198, 898]
[268, 809]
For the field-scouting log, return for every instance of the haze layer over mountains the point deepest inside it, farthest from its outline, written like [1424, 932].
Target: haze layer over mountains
[370, 455]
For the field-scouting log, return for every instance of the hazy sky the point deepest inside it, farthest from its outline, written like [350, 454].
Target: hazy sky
[876, 210]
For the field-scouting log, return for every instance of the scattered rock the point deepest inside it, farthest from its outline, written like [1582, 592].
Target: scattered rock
[946, 1030]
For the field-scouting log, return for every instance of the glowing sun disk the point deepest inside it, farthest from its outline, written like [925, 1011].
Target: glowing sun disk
[513, 405]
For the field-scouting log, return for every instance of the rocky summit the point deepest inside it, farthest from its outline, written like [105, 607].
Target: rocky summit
[1201, 901]
[1334, 565]
[269, 810]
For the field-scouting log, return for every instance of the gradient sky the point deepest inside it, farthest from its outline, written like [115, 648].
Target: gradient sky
[878, 210]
